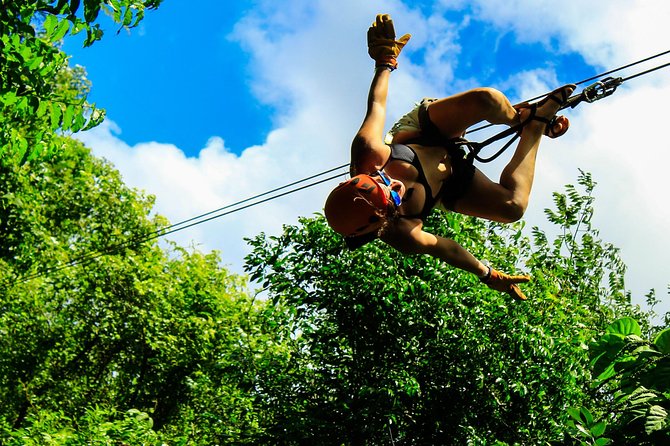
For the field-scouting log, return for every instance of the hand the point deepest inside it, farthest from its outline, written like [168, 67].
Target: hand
[507, 284]
[382, 45]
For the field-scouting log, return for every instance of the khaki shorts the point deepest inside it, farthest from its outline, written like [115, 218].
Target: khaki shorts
[409, 122]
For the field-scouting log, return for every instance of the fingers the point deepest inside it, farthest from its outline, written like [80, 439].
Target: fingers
[389, 30]
[404, 39]
[501, 277]
[518, 279]
[379, 20]
[383, 27]
[382, 46]
[508, 284]
[516, 293]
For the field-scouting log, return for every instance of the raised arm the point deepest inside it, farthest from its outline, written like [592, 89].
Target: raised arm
[368, 150]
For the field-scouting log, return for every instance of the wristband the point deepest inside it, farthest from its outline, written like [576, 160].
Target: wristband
[386, 66]
[485, 278]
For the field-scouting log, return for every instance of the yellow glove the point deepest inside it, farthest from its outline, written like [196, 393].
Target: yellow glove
[382, 45]
[507, 284]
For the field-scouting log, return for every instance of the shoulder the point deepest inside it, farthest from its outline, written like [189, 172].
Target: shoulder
[368, 155]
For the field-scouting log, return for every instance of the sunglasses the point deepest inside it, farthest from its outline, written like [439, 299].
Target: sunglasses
[387, 181]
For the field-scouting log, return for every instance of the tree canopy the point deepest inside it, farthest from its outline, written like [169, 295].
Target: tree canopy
[411, 349]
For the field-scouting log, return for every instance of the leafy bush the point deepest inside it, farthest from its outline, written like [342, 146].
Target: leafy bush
[96, 426]
[407, 348]
[633, 375]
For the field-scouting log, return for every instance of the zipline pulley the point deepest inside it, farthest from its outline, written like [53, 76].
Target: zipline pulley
[593, 92]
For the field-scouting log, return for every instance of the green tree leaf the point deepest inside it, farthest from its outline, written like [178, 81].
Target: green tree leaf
[575, 414]
[60, 31]
[657, 419]
[68, 116]
[625, 326]
[586, 416]
[662, 341]
[598, 429]
[56, 115]
[50, 24]
[91, 10]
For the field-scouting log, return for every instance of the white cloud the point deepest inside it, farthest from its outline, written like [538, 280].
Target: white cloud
[605, 32]
[311, 64]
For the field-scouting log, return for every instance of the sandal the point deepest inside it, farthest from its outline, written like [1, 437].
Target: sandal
[550, 122]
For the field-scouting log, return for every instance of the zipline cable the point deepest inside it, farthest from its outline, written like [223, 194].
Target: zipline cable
[286, 186]
[645, 72]
[86, 258]
[247, 206]
[217, 213]
[597, 76]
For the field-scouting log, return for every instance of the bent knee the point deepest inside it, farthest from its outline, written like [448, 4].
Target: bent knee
[486, 97]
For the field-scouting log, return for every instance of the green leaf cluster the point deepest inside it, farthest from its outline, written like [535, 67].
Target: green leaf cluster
[104, 426]
[586, 429]
[145, 344]
[635, 374]
[405, 348]
[40, 95]
[139, 345]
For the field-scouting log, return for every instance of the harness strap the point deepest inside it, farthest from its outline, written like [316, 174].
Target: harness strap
[590, 94]
[474, 147]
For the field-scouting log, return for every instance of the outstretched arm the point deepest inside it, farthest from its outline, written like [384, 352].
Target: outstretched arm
[417, 241]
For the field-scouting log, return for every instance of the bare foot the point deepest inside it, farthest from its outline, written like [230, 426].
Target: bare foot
[542, 114]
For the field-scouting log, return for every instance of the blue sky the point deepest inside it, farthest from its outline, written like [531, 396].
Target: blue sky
[178, 77]
[210, 102]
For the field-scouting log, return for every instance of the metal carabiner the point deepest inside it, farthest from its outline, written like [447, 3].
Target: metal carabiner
[601, 89]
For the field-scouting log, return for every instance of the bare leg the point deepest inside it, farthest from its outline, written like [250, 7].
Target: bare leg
[453, 115]
[507, 201]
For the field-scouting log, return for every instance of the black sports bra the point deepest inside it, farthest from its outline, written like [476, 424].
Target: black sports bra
[401, 152]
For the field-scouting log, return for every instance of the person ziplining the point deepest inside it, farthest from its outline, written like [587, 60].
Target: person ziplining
[423, 165]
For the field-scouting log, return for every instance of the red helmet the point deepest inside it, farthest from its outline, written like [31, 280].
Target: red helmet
[357, 206]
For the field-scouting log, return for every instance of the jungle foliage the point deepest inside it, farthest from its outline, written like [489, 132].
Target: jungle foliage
[409, 349]
[109, 339]
[34, 105]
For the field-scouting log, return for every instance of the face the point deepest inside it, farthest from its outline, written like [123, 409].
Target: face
[395, 189]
